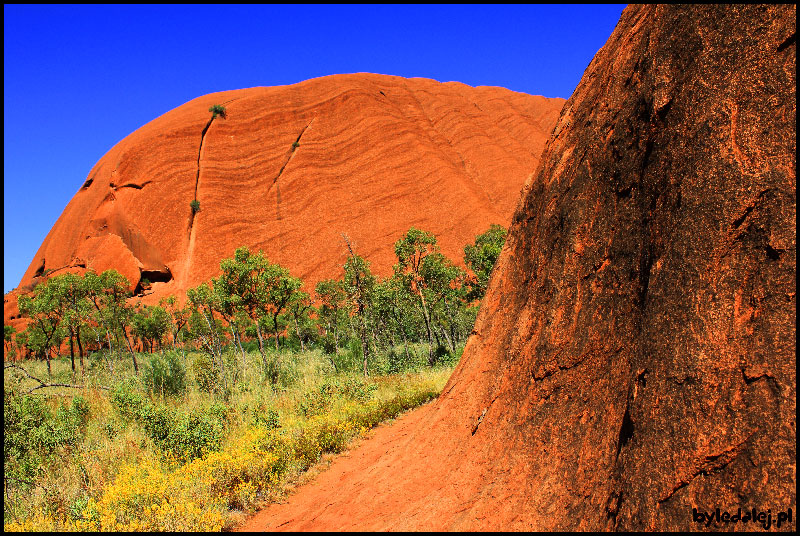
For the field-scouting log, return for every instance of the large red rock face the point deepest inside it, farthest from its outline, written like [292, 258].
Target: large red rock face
[635, 353]
[290, 169]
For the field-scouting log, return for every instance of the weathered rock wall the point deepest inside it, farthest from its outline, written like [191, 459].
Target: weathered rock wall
[635, 354]
[290, 169]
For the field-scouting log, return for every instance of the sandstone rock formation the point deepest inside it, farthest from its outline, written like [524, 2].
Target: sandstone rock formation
[290, 169]
[635, 354]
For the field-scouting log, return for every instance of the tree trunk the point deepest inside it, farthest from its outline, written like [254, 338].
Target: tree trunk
[133, 354]
[261, 349]
[71, 351]
[428, 329]
[275, 321]
[80, 348]
[297, 330]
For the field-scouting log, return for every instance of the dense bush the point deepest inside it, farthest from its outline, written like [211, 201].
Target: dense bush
[180, 435]
[33, 435]
[165, 374]
[206, 373]
[319, 400]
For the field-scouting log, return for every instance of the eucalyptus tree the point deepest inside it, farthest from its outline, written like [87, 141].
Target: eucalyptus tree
[481, 257]
[150, 324]
[411, 251]
[178, 318]
[261, 290]
[358, 285]
[108, 294]
[205, 327]
[46, 332]
[299, 308]
[332, 310]
[72, 291]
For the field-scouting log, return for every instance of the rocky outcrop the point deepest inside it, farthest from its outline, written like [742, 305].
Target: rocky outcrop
[290, 169]
[635, 354]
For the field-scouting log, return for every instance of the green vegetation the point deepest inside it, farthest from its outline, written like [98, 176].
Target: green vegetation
[217, 110]
[180, 415]
[195, 206]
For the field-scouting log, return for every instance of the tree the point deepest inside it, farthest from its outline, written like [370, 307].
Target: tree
[45, 309]
[71, 290]
[178, 316]
[205, 327]
[151, 324]
[250, 283]
[331, 297]
[8, 338]
[481, 257]
[442, 284]
[108, 294]
[411, 252]
[393, 310]
[217, 109]
[358, 287]
[298, 308]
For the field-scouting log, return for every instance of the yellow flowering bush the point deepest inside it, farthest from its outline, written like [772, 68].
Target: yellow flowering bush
[157, 492]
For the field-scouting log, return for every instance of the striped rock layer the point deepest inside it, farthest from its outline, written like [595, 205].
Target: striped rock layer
[290, 170]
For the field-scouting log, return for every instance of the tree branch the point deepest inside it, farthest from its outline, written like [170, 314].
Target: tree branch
[45, 384]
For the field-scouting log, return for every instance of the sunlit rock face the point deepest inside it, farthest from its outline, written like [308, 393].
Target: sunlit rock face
[290, 170]
[635, 353]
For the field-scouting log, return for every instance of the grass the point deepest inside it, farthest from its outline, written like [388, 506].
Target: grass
[195, 461]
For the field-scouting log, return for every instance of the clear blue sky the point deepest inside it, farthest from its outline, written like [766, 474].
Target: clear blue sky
[78, 79]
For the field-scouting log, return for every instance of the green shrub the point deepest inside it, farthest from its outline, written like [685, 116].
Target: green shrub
[264, 417]
[165, 374]
[195, 205]
[180, 435]
[205, 374]
[319, 400]
[193, 435]
[34, 436]
[217, 109]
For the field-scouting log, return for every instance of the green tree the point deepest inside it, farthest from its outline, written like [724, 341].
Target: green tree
[45, 309]
[150, 324]
[178, 316]
[72, 292]
[8, 338]
[481, 257]
[332, 312]
[217, 109]
[411, 252]
[250, 283]
[205, 326]
[358, 287]
[108, 294]
[298, 310]
[393, 311]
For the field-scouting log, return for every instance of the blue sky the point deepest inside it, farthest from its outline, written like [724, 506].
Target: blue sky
[78, 79]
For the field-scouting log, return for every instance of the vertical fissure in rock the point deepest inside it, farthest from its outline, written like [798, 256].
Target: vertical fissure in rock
[292, 150]
[626, 430]
[193, 209]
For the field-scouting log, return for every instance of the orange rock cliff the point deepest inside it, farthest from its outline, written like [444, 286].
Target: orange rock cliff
[289, 170]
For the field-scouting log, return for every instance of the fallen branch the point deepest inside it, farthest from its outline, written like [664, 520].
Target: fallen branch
[44, 384]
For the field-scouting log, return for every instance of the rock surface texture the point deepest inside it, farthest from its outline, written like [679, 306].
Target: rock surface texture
[635, 354]
[290, 169]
